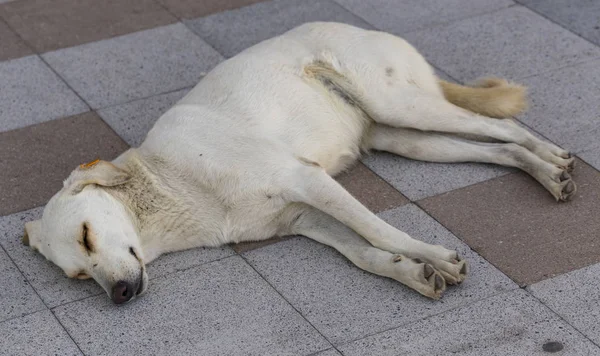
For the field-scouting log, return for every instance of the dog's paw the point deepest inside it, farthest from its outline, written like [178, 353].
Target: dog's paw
[420, 276]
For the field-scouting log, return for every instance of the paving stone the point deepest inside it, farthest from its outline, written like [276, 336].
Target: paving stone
[51, 24]
[345, 303]
[11, 46]
[193, 8]
[495, 44]
[514, 223]
[418, 179]
[405, 16]
[133, 120]
[564, 106]
[231, 32]
[222, 308]
[56, 289]
[574, 296]
[35, 334]
[512, 323]
[32, 93]
[592, 157]
[330, 352]
[134, 66]
[36, 159]
[579, 16]
[16, 295]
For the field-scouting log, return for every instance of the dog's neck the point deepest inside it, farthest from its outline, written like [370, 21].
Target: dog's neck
[169, 213]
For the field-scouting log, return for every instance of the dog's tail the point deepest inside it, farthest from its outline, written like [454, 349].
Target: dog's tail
[493, 97]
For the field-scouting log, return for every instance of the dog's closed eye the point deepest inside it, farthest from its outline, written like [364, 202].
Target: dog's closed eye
[89, 247]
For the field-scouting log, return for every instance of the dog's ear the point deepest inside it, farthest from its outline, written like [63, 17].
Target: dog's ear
[33, 233]
[98, 172]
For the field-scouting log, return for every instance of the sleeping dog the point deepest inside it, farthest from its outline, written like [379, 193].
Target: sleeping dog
[251, 151]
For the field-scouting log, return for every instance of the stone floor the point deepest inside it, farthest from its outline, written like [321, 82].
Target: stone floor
[81, 79]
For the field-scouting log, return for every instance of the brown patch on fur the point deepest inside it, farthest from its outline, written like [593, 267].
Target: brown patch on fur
[493, 97]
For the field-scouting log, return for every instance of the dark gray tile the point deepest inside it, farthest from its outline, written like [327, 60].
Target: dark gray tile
[11, 45]
[193, 8]
[35, 334]
[514, 223]
[231, 32]
[222, 308]
[496, 44]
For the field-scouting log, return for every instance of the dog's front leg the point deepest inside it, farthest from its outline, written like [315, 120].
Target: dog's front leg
[311, 185]
[414, 273]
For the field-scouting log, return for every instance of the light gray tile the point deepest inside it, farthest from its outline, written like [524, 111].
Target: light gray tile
[133, 120]
[232, 31]
[32, 93]
[345, 303]
[55, 288]
[579, 16]
[418, 179]
[134, 66]
[574, 296]
[564, 106]
[330, 352]
[513, 43]
[508, 324]
[16, 295]
[221, 308]
[592, 157]
[35, 334]
[405, 16]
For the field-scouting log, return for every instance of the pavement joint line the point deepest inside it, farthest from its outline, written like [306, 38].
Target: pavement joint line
[561, 317]
[290, 304]
[554, 22]
[67, 331]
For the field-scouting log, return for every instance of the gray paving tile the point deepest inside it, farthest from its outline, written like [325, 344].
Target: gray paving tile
[345, 303]
[133, 120]
[592, 157]
[56, 289]
[512, 323]
[418, 179]
[16, 295]
[579, 16]
[134, 66]
[574, 296]
[404, 16]
[35, 334]
[221, 308]
[330, 352]
[32, 93]
[230, 32]
[564, 106]
[513, 43]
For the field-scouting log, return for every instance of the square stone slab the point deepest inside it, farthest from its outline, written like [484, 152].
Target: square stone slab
[56, 289]
[36, 334]
[52, 24]
[512, 323]
[574, 296]
[514, 223]
[32, 93]
[405, 16]
[36, 159]
[11, 46]
[134, 66]
[345, 303]
[496, 44]
[221, 308]
[193, 8]
[16, 295]
[231, 32]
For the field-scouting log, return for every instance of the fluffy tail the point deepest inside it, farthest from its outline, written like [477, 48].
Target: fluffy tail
[493, 97]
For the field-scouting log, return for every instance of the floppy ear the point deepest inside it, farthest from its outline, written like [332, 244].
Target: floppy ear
[97, 172]
[33, 233]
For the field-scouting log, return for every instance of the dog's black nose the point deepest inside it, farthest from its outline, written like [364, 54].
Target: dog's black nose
[122, 292]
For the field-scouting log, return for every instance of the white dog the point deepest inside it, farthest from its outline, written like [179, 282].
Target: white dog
[250, 153]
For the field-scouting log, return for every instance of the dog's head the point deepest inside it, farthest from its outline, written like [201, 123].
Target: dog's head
[88, 233]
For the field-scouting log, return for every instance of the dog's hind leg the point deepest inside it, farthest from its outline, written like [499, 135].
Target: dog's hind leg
[435, 147]
[414, 273]
[311, 185]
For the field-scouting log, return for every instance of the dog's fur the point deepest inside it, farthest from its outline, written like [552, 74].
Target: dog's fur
[250, 153]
